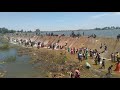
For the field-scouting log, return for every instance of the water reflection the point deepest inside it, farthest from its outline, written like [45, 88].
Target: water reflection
[15, 65]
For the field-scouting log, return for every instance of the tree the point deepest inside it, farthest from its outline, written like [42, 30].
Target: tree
[37, 31]
[21, 31]
[12, 31]
[18, 31]
[4, 30]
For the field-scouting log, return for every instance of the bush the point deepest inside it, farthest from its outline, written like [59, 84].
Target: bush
[10, 59]
[4, 46]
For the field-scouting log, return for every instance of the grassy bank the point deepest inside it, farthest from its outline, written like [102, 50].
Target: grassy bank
[4, 46]
[56, 63]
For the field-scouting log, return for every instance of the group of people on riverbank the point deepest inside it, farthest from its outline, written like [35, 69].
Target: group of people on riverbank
[83, 53]
[115, 57]
[103, 46]
[55, 46]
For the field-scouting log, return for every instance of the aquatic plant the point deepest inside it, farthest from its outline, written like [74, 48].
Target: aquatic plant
[10, 59]
[4, 46]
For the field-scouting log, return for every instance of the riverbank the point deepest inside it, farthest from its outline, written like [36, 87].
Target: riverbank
[56, 65]
[91, 43]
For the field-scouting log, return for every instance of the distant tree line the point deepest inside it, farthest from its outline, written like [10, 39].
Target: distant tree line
[107, 28]
[5, 30]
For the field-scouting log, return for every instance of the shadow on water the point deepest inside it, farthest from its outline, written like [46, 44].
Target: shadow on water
[16, 66]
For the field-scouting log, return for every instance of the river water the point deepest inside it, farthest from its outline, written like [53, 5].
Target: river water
[18, 68]
[99, 33]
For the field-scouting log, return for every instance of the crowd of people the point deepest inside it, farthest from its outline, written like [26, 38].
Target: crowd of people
[82, 53]
[115, 57]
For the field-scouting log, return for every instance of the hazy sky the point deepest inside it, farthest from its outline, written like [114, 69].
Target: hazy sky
[58, 20]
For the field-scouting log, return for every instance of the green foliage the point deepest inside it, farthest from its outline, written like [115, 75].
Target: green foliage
[10, 59]
[4, 46]
[5, 30]
[107, 28]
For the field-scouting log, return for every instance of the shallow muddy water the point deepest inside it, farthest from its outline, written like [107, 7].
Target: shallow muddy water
[16, 66]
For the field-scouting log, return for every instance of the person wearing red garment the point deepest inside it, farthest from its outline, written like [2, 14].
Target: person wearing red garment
[117, 67]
